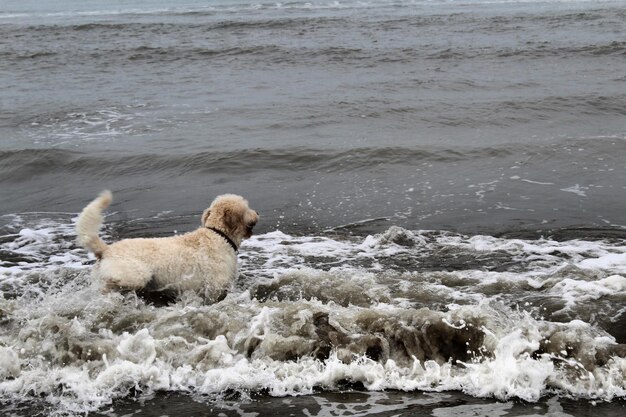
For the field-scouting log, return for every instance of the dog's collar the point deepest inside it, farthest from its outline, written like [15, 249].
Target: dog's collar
[225, 236]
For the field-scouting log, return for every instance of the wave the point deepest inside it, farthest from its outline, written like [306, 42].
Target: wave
[523, 319]
[20, 165]
[368, 55]
[141, 35]
[24, 164]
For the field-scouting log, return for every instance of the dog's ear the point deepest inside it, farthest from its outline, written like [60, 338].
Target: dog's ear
[205, 216]
[232, 220]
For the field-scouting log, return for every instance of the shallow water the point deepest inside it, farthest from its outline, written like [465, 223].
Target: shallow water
[429, 311]
[441, 186]
[362, 403]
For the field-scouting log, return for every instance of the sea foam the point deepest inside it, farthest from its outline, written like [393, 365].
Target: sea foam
[389, 311]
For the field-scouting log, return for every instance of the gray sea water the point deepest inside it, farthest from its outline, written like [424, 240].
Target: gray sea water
[441, 185]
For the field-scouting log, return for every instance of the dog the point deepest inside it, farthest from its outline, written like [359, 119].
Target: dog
[203, 261]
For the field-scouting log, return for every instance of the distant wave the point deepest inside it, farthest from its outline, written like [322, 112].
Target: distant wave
[59, 14]
[200, 7]
[19, 165]
[141, 34]
[24, 164]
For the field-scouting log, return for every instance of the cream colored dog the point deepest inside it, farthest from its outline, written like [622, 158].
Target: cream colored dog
[203, 261]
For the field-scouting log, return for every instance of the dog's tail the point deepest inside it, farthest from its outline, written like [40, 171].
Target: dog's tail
[89, 223]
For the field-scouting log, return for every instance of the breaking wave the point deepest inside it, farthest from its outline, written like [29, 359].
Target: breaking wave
[404, 310]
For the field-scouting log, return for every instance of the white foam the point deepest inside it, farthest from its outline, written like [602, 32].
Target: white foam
[511, 373]
[578, 291]
[576, 189]
[82, 349]
[9, 363]
[537, 182]
[101, 125]
[138, 348]
[610, 262]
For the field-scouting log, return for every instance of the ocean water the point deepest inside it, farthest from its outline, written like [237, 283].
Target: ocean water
[440, 183]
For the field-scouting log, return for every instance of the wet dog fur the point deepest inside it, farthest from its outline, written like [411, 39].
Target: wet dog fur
[202, 261]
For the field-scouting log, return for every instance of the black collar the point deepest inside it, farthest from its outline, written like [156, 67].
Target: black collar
[222, 234]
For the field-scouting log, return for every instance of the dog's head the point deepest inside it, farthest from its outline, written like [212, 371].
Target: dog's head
[231, 214]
